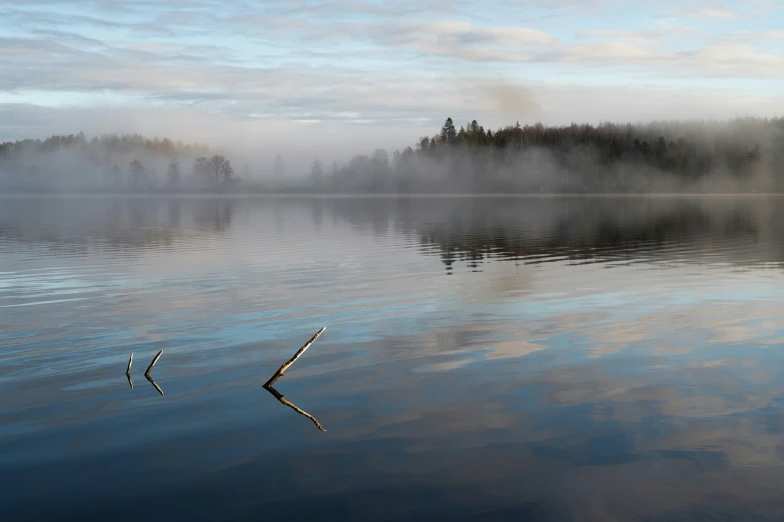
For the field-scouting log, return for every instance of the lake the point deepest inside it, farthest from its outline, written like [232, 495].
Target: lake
[499, 358]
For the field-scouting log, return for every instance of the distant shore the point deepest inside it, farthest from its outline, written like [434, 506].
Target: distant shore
[293, 195]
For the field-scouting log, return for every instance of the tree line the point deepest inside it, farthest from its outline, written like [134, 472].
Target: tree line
[111, 143]
[212, 172]
[112, 162]
[739, 155]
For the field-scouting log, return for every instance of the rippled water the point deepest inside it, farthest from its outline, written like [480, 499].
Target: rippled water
[484, 359]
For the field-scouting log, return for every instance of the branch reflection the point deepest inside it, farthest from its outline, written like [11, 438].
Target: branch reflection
[293, 406]
[149, 378]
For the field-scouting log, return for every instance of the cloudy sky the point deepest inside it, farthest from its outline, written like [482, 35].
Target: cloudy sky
[366, 73]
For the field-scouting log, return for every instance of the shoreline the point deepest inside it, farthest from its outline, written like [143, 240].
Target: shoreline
[314, 195]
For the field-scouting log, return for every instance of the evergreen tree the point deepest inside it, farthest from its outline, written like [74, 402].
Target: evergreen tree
[448, 132]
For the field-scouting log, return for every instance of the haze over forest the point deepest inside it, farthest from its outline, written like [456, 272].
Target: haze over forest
[741, 155]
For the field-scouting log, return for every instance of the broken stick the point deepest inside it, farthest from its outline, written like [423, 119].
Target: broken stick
[278, 374]
[130, 361]
[155, 360]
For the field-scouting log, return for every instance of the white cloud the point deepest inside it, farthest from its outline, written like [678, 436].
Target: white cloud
[708, 12]
[357, 61]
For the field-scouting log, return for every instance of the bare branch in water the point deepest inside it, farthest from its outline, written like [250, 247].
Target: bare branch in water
[291, 405]
[129, 379]
[128, 371]
[155, 360]
[278, 374]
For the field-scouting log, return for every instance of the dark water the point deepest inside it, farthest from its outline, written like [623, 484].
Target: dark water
[484, 359]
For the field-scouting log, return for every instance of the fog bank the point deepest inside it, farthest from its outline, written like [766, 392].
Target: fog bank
[741, 155]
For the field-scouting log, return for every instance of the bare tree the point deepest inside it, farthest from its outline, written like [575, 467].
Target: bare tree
[220, 170]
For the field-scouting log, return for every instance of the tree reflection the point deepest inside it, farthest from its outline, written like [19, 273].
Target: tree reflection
[121, 223]
[533, 230]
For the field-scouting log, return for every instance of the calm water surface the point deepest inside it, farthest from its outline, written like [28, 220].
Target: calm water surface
[575, 359]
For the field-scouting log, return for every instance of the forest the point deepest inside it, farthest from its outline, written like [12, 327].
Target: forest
[111, 163]
[741, 155]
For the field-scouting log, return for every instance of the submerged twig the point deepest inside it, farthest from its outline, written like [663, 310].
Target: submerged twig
[293, 406]
[130, 381]
[153, 382]
[155, 360]
[278, 374]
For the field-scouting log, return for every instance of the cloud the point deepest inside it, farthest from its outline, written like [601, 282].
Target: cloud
[358, 61]
[708, 12]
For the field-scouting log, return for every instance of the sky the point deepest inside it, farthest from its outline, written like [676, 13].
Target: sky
[343, 76]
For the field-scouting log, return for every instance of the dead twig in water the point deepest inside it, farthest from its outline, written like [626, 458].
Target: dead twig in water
[128, 370]
[153, 383]
[293, 406]
[155, 360]
[278, 374]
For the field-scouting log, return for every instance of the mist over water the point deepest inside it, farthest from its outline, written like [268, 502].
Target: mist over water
[505, 358]
[736, 156]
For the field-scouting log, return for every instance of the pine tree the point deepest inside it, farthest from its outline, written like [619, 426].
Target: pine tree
[448, 132]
